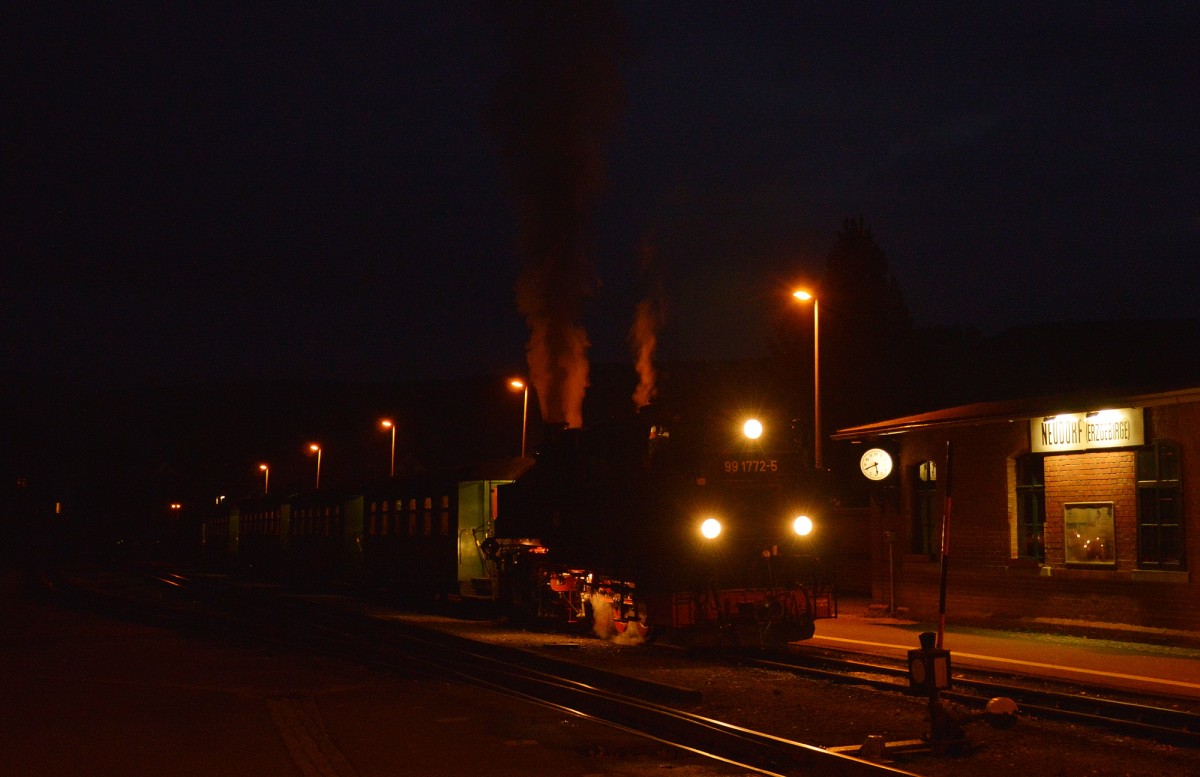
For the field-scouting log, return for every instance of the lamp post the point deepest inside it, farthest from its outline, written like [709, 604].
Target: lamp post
[805, 296]
[266, 478]
[387, 424]
[519, 385]
[317, 450]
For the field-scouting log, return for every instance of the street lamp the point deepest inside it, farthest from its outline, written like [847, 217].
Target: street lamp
[517, 384]
[805, 296]
[266, 478]
[387, 424]
[317, 450]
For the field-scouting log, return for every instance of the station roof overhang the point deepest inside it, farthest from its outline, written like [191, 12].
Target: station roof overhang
[981, 413]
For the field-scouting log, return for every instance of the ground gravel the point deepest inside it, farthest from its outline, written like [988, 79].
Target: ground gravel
[827, 714]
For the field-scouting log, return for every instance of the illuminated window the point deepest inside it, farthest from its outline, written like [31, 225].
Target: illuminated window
[1089, 533]
[923, 512]
[1031, 507]
[1160, 509]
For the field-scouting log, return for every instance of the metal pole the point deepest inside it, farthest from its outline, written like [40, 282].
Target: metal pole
[816, 384]
[891, 541]
[945, 547]
[318, 468]
[392, 471]
[524, 419]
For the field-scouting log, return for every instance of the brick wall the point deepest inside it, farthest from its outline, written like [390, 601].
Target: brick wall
[985, 580]
[1103, 476]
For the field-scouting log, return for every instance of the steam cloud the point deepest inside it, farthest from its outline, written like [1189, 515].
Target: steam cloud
[643, 335]
[555, 109]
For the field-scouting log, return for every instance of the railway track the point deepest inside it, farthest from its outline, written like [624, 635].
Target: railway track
[328, 625]
[1082, 705]
[323, 625]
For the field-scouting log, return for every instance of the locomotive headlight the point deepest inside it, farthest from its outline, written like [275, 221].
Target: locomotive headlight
[710, 528]
[803, 525]
[753, 429]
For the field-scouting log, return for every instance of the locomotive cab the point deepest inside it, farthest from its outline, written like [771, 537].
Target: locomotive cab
[619, 513]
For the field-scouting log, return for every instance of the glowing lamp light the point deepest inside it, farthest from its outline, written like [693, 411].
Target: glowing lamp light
[711, 528]
[803, 525]
[386, 423]
[753, 429]
[317, 450]
[516, 384]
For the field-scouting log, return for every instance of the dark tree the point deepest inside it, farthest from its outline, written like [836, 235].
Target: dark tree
[866, 332]
[866, 337]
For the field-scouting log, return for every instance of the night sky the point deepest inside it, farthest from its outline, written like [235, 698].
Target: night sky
[217, 190]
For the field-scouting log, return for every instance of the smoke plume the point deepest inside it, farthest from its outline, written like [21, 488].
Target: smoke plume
[555, 109]
[643, 335]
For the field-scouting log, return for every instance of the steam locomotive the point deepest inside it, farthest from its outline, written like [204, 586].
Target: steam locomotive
[696, 528]
[652, 525]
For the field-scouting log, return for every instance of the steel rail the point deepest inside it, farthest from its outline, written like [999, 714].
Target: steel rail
[1091, 707]
[550, 684]
[321, 625]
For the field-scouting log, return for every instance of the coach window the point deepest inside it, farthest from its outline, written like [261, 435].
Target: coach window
[923, 512]
[1160, 512]
[1031, 507]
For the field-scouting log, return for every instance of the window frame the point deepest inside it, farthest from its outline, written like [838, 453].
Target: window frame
[1157, 486]
[923, 526]
[1031, 493]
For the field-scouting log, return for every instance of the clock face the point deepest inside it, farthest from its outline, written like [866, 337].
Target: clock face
[876, 463]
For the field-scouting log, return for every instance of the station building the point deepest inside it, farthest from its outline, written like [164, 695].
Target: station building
[1073, 509]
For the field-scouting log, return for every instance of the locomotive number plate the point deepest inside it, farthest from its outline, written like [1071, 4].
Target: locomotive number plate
[750, 466]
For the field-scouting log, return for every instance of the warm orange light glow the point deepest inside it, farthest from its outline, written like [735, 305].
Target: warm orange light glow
[317, 450]
[804, 296]
[753, 428]
[386, 423]
[263, 467]
[516, 384]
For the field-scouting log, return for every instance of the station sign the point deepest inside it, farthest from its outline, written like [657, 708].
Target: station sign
[1094, 430]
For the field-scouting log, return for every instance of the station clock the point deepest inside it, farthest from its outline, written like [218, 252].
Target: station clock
[876, 463]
